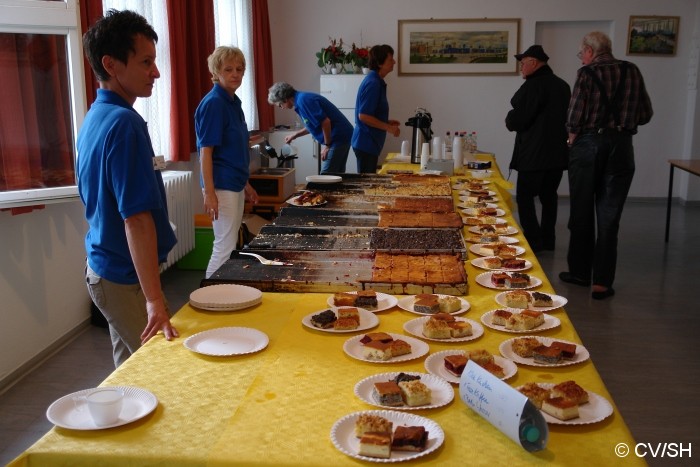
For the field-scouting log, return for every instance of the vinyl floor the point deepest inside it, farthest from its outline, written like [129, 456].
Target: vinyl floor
[642, 341]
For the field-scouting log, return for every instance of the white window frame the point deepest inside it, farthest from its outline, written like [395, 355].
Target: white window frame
[56, 18]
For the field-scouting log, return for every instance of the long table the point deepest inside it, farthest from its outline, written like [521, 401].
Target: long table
[277, 407]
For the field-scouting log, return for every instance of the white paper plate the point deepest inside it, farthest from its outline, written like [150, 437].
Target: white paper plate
[496, 220]
[441, 393]
[225, 297]
[484, 279]
[435, 364]
[293, 201]
[71, 411]
[475, 181]
[550, 322]
[510, 231]
[481, 263]
[476, 249]
[502, 238]
[223, 342]
[353, 347]
[475, 212]
[368, 320]
[415, 327]
[557, 302]
[324, 178]
[506, 349]
[595, 410]
[384, 302]
[344, 439]
[467, 192]
[406, 303]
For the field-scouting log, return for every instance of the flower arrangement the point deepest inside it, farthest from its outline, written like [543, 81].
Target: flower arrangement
[358, 56]
[332, 54]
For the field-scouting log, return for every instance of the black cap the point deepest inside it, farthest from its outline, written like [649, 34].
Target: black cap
[534, 51]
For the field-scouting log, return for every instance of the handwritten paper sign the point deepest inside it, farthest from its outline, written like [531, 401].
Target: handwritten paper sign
[504, 407]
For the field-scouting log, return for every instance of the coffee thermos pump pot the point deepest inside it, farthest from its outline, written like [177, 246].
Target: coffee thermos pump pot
[422, 133]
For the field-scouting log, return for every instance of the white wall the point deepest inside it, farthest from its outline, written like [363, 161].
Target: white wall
[300, 28]
[42, 289]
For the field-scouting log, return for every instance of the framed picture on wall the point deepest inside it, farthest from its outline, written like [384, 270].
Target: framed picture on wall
[652, 35]
[458, 46]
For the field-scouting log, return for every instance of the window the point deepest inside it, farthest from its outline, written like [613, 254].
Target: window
[40, 68]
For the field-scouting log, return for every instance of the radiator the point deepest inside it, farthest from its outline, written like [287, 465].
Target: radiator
[178, 188]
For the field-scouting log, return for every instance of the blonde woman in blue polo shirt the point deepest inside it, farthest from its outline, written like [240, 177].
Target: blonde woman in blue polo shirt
[222, 139]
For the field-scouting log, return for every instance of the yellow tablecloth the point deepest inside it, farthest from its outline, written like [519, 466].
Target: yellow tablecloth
[277, 407]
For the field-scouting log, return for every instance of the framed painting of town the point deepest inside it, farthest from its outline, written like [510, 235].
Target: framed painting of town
[652, 35]
[458, 46]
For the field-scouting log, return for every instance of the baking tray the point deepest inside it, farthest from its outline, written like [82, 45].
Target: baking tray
[309, 217]
[316, 271]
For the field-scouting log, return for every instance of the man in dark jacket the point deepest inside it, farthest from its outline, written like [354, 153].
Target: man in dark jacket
[540, 154]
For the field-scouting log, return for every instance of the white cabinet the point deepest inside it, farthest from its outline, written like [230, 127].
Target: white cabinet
[307, 153]
[341, 90]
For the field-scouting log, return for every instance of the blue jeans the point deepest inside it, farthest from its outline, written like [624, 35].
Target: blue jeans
[601, 168]
[366, 162]
[336, 159]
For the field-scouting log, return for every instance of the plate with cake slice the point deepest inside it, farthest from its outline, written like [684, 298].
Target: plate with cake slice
[543, 351]
[499, 320]
[429, 304]
[383, 347]
[367, 299]
[484, 212]
[496, 249]
[526, 300]
[443, 327]
[500, 280]
[487, 239]
[501, 230]
[561, 410]
[341, 319]
[438, 363]
[397, 391]
[404, 436]
[496, 263]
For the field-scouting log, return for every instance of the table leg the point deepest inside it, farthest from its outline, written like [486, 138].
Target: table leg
[668, 205]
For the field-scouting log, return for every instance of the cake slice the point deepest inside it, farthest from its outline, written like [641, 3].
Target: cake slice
[377, 351]
[498, 279]
[460, 329]
[512, 263]
[449, 304]
[493, 262]
[494, 369]
[568, 351]
[536, 393]
[569, 390]
[479, 356]
[537, 316]
[410, 438]
[428, 305]
[324, 320]
[415, 393]
[541, 299]
[524, 346]
[520, 322]
[369, 423]
[560, 408]
[349, 312]
[545, 354]
[517, 299]
[344, 299]
[399, 347]
[444, 317]
[346, 324]
[367, 299]
[436, 329]
[387, 393]
[375, 445]
[499, 317]
[376, 337]
[455, 364]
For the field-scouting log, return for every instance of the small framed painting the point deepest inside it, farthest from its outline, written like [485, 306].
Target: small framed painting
[458, 46]
[652, 35]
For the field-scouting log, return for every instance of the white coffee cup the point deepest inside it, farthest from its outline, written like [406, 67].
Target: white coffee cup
[425, 150]
[105, 405]
[405, 148]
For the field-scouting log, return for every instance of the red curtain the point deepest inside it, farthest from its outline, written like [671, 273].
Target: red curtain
[36, 142]
[263, 63]
[191, 29]
[90, 12]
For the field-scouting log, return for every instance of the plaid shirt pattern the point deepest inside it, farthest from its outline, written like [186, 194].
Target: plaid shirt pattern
[586, 110]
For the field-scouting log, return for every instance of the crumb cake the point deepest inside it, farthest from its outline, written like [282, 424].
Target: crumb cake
[499, 317]
[369, 423]
[536, 393]
[460, 329]
[569, 390]
[400, 347]
[436, 329]
[560, 408]
[346, 324]
[479, 356]
[524, 346]
[415, 393]
[494, 369]
[449, 304]
[517, 299]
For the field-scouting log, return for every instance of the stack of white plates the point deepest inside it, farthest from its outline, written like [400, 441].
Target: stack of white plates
[225, 297]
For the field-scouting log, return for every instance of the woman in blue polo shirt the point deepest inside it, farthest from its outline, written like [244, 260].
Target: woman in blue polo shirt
[372, 110]
[222, 139]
